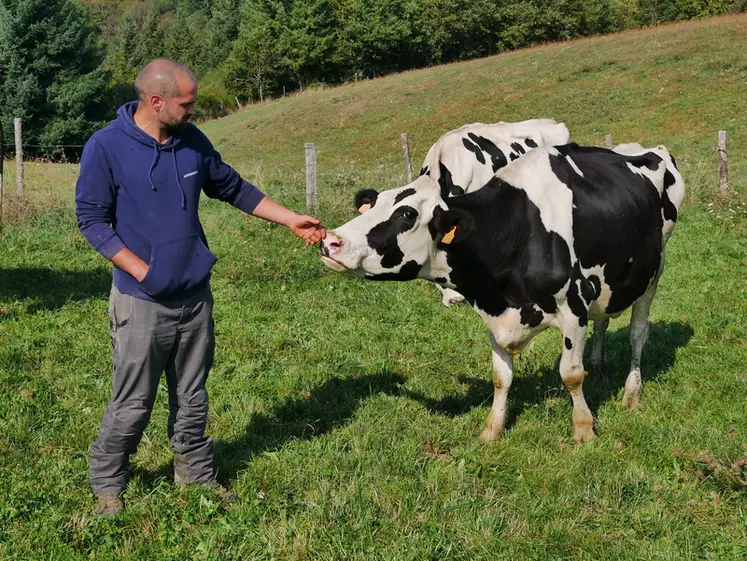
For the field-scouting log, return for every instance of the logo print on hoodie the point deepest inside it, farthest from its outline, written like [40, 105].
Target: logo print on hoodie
[190, 174]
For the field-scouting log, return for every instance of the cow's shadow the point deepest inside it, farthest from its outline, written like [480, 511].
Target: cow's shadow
[324, 409]
[49, 289]
[332, 404]
[658, 356]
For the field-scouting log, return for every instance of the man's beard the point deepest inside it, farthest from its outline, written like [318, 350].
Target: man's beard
[175, 127]
[178, 128]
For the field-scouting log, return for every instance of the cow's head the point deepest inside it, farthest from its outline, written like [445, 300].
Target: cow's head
[400, 234]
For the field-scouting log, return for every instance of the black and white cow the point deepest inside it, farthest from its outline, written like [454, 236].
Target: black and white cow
[465, 159]
[561, 236]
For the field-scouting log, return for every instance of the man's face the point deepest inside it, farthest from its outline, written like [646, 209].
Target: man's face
[174, 112]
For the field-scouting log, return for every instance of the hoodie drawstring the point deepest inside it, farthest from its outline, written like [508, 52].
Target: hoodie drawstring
[153, 165]
[178, 182]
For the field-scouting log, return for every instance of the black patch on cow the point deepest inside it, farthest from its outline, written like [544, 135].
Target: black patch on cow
[588, 290]
[668, 208]
[568, 344]
[597, 284]
[497, 157]
[674, 162]
[648, 160]
[531, 143]
[529, 316]
[514, 156]
[509, 259]
[365, 197]
[516, 147]
[617, 219]
[404, 194]
[576, 302]
[409, 271]
[444, 221]
[475, 150]
[383, 236]
[448, 189]
[424, 171]
[441, 280]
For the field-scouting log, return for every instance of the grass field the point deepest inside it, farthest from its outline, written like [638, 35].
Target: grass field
[345, 413]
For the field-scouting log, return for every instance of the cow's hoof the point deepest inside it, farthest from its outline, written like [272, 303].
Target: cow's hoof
[633, 389]
[632, 400]
[490, 435]
[581, 435]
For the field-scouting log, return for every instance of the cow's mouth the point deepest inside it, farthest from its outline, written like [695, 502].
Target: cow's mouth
[332, 264]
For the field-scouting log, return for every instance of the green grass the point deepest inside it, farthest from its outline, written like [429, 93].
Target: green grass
[345, 413]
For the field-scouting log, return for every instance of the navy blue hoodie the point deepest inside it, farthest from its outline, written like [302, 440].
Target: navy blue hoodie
[136, 193]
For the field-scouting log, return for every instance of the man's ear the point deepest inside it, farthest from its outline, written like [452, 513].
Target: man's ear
[365, 199]
[450, 226]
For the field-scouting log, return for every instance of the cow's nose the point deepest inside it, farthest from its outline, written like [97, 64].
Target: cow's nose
[330, 245]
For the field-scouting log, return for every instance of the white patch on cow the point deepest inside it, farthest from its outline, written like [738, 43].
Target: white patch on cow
[510, 334]
[574, 166]
[656, 177]
[552, 197]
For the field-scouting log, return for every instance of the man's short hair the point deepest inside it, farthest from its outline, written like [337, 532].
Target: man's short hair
[159, 76]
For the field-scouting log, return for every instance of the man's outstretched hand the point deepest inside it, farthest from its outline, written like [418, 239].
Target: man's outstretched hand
[307, 228]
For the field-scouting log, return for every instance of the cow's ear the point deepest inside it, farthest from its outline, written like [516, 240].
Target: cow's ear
[451, 226]
[365, 199]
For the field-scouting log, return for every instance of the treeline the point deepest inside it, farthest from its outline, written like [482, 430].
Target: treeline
[65, 65]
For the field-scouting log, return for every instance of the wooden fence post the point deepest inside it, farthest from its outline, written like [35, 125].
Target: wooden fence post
[19, 155]
[311, 194]
[406, 154]
[608, 140]
[723, 174]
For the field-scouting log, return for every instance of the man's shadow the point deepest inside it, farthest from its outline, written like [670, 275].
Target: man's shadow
[658, 356]
[48, 289]
[324, 409]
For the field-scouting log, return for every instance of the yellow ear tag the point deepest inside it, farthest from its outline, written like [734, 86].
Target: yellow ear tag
[449, 236]
[364, 208]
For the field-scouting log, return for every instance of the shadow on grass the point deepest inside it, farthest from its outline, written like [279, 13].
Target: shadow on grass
[332, 404]
[658, 356]
[47, 289]
[326, 408]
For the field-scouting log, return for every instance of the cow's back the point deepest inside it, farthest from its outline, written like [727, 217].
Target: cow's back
[611, 208]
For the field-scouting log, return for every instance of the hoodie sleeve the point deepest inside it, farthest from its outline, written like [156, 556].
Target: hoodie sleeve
[95, 196]
[224, 183]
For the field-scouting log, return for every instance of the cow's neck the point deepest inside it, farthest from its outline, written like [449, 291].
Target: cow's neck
[483, 266]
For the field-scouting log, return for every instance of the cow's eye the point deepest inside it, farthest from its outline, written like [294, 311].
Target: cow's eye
[409, 215]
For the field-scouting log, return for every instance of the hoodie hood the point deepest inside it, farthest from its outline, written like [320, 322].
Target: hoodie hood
[125, 122]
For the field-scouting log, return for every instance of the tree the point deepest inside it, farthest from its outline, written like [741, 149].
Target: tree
[50, 71]
[256, 63]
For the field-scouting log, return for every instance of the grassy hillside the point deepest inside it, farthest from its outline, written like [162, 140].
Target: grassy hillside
[345, 413]
[676, 85]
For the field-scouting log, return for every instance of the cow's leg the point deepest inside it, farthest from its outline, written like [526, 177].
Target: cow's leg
[597, 346]
[572, 373]
[503, 374]
[638, 337]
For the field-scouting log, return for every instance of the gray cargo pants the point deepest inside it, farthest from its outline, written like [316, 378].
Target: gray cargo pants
[149, 338]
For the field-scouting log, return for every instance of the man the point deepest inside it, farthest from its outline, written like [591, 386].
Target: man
[137, 199]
